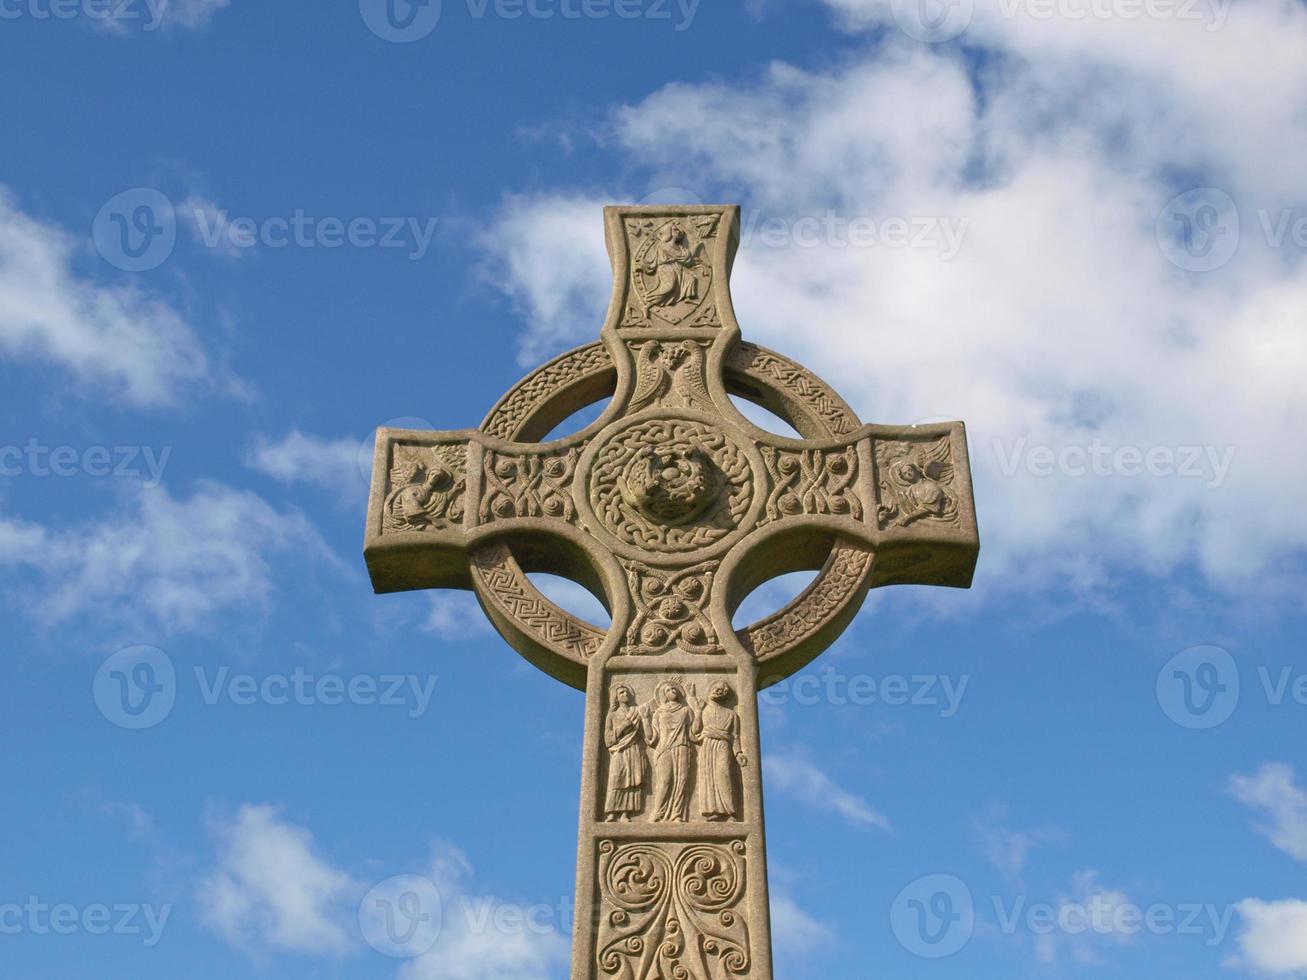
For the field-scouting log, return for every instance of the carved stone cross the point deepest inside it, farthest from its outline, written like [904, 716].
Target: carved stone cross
[671, 508]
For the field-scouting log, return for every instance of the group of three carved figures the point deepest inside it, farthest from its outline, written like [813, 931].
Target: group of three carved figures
[673, 725]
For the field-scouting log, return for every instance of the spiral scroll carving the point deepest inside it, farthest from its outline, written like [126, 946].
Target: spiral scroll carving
[673, 910]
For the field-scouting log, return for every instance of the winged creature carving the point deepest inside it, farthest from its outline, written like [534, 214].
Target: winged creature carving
[915, 480]
[670, 376]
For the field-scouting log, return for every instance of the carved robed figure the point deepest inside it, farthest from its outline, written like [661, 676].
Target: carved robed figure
[671, 508]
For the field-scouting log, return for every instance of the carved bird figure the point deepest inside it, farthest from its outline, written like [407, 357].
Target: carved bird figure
[651, 378]
[688, 377]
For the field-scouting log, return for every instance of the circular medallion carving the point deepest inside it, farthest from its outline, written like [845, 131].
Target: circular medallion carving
[671, 485]
[545, 397]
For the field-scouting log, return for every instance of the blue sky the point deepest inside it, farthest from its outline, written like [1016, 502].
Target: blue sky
[235, 237]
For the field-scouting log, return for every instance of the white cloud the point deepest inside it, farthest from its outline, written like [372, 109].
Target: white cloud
[1274, 793]
[454, 615]
[139, 822]
[209, 225]
[791, 772]
[1060, 321]
[271, 889]
[1274, 940]
[193, 14]
[330, 463]
[1088, 916]
[173, 561]
[485, 938]
[152, 15]
[119, 338]
[795, 932]
[1009, 849]
[558, 295]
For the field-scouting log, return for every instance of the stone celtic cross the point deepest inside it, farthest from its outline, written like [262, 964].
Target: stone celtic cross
[671, 508]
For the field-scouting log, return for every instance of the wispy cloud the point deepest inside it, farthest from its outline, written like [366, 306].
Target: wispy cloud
[795, 932]
[165, 560]
[119, 339]
[791, 772]
[478, 940]
[332, 464]
[1008, 848]
[1273, 792]
[273, 890]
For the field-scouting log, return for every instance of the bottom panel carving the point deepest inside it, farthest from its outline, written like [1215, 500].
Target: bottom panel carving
[673, 909]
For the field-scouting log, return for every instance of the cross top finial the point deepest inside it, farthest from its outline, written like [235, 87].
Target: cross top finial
[671, 508]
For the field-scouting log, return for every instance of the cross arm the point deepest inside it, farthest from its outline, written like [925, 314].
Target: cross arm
[438, 496]
[903, 491]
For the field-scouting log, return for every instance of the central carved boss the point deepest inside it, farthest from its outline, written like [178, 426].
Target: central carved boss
[669, 485]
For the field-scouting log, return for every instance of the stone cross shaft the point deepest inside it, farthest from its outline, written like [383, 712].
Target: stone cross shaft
[671, 508]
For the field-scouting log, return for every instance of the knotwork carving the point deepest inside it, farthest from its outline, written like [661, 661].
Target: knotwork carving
[671, 485]
[528, 485]
[500, 578]
[812, 481]
[427, 487]
[671, 610]
[672, 910]
[915, 481]
[671, 277]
